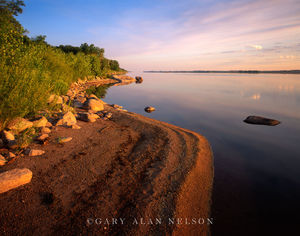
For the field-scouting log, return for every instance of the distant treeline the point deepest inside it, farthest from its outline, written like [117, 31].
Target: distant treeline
[31, 69]
[231, 71]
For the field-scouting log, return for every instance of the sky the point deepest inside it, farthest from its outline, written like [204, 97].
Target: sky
[175, 34]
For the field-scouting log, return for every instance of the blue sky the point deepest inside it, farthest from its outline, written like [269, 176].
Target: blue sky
[175, 34]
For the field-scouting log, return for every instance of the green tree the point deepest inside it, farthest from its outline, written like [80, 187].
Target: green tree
[13, 6]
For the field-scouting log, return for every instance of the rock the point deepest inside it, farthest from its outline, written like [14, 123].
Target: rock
[138, 79]
[77, 104]
[66, 108]
[65, 99]
[55, 99]
[149, 109]
[123, 78]
[108, 115]
[64, 140]
[48, 125]
[8, 136]
[75, 127]
[94, 105]
[14, 178]
[11, 155]
[42, 137]
[116, 106]
[2, 160]
[68, 119]
[9, 139]
[1, 143]
[45, 130]
[34, 152]
[100, 114]
[93, 96]
[41, 122]
[19, 124]
[87, 117]
[258, 120]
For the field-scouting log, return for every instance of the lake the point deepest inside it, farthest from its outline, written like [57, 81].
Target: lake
[257, 168]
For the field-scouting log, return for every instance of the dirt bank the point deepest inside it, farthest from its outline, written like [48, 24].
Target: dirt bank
[128, 168]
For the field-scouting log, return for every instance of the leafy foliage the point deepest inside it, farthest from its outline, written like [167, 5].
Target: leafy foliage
[31, 69]
[99, 91]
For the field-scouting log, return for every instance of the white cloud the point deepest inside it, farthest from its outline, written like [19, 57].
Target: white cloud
[257, 47]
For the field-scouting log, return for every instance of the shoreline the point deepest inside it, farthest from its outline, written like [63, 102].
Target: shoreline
[125, 167]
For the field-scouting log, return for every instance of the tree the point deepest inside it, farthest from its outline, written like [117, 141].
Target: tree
[114, 65]
[13, 6]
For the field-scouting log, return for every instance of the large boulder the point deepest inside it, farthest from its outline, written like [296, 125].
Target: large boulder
[258, 120]
[41, 122]
[19, 124]
[68, 119]
[94, 105]
[14, 178]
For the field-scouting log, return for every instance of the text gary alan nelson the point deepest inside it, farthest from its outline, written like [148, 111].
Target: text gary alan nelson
[149, 221]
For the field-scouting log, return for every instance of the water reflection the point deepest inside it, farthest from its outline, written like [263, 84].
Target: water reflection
[256, 167]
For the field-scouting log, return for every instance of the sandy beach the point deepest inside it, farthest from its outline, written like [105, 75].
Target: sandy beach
[130, 175]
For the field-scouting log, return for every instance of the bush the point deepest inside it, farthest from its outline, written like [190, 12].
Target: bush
[31, 70]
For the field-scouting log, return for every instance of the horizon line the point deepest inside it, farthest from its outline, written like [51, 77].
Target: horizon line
[296, 71]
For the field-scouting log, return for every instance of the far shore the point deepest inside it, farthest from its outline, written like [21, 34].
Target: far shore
[231, 71]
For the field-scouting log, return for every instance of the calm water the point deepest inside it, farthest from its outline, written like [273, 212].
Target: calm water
[257, 168]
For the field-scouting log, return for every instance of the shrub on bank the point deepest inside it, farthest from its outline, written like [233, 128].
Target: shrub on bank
[31, 69]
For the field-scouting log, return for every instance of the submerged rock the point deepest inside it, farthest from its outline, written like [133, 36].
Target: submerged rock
[258, 120]
[149, 109]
